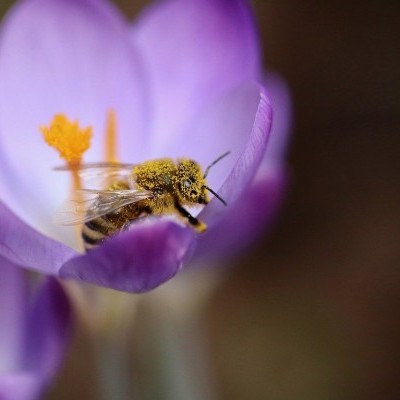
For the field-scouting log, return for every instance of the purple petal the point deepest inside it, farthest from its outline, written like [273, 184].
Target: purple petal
[149, 254]
[258, 206]
[279, 95]
[49, 331]
[64, 56]
[246, 166]
[13, 314]
[194, 51]
[24, 246]
[32, 341]
[19, 386]
[224, 125]
[254, 212]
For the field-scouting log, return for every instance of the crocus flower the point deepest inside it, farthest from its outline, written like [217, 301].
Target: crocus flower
[34, 331]
[183, 80]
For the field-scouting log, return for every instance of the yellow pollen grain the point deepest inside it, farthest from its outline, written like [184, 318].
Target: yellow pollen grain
[152, 174]
[68, 138]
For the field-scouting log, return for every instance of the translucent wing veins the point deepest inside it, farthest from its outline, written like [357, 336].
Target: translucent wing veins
[98, 202]
[102, 202]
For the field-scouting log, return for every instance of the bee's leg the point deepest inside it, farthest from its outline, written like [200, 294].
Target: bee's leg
[197, 224]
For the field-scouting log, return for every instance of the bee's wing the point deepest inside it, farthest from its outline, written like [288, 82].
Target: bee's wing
[102, 171]
[96, 203]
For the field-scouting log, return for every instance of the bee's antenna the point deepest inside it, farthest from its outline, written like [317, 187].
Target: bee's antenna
[216, 195]
[212, 164]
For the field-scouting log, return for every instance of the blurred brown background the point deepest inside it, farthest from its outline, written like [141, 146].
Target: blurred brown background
[312, 312]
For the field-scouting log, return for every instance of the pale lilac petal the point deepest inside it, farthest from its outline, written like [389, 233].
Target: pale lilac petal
[254, 212]
[26, 247]
[22, 385]
[13, 314]
[193, 51]
[256, 209]
[246, 166]
[49, 331]
[64, 56]
[224, 125]
[149, 254]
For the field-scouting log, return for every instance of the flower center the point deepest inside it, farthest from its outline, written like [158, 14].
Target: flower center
[68, 138]
[72, 141]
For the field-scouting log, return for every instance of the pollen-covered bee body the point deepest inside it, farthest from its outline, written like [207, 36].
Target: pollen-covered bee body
[156, 187]
[128, 192]
[169, 181]
[98, 228]
[171, 184]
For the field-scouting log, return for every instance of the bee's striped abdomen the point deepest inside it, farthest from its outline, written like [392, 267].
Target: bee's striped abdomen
[97, 230]
[94, 232]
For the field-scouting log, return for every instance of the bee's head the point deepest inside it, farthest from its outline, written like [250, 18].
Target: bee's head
[191, 183]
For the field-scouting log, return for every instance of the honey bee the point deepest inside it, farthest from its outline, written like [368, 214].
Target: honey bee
[156, 187]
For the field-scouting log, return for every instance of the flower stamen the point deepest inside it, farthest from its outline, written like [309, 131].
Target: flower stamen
[111, 137]
[68, 138]
[71, 141]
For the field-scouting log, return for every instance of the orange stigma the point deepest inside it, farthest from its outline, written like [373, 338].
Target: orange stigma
[68, 138]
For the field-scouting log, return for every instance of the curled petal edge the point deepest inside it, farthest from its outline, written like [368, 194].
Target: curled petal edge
[136, 261]
[26, 247]
[254, 212]
[247, 164]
